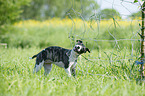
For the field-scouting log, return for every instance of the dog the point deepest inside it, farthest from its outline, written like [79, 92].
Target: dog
[59, 56]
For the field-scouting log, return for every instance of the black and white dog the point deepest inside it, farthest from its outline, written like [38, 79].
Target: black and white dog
[61, 57]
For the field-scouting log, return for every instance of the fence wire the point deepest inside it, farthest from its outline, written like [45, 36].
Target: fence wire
[95, 16]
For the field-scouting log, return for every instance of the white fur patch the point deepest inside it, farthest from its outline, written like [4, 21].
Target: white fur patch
[80, 47]
[73, 57]
[68, 71]
[72, 62]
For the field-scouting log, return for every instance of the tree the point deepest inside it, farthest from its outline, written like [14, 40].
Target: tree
[58, 8]
[142, 35]
[135, 15]
[109, 13]
[10, 10]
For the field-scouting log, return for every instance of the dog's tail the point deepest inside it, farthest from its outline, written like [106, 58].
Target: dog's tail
[33, 57]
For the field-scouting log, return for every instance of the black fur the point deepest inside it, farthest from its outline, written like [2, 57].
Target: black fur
[62, 57]
[55, 54]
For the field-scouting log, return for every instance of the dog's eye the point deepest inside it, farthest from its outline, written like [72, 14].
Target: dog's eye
[78, 47]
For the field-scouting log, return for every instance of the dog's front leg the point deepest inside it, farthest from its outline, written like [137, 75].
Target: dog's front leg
[73, 72]
[71, 69]
[67, 70]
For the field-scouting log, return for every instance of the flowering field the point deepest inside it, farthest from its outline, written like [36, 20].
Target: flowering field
[109, 70]
[78, 22]
[31, 33]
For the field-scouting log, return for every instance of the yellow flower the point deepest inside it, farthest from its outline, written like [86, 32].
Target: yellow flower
[77, 23]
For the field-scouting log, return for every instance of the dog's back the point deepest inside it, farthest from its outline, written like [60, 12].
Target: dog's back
[59, 56]
[53, 54]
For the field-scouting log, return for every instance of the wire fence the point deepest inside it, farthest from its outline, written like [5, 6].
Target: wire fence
[133, 39]
[109, 39]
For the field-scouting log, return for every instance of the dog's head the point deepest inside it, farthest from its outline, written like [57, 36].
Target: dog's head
[80, 47]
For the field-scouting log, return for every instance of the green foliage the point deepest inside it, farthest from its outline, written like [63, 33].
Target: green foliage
[109, 74]
[34, 36]
[58, 34]
[109, 13]
[136, 15]
[44, 9]
[135, 1]
[10, 10]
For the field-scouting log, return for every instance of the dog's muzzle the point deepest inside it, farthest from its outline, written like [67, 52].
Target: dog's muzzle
[79, 50]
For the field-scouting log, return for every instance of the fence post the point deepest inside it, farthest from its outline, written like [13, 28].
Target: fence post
[143, 41]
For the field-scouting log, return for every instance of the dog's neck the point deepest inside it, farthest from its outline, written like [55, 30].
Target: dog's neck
[74, 55]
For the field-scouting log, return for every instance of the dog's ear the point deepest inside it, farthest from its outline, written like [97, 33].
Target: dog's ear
[79, 41]
[87, 49]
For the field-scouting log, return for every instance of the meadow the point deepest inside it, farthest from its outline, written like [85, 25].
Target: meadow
[109, 70]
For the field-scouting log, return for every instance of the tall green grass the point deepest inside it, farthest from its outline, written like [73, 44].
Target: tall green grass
[102, 75]
[28, 34]
[108, 70]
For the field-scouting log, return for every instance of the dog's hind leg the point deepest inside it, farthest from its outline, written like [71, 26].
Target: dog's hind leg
[38, 67]
[73, 72]
[47, 68]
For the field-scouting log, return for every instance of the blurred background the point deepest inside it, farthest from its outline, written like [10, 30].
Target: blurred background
[109, 28]
[101, 24]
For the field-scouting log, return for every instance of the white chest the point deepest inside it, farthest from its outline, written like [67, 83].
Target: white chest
[73, 59]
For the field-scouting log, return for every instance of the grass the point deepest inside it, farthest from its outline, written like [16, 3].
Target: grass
[96, 77]
[109, 70]
[31, 33]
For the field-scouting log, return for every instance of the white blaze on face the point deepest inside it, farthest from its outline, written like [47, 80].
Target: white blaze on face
[79, 47]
